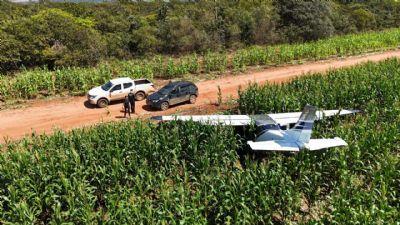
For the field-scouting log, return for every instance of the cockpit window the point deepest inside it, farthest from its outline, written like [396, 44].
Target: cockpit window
[262, 119]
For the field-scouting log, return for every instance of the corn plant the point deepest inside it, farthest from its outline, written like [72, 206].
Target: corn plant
[215, 62]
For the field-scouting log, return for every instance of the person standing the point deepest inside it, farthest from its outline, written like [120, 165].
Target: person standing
[127, 107]
[131, 97]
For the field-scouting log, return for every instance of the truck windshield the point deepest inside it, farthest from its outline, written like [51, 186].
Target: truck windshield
[107, 86]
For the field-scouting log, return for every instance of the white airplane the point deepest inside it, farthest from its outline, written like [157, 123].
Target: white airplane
[275, 134]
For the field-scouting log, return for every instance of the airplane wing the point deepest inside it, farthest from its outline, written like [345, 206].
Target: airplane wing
[243, 120]
[276, 145]
[292, 117]
[230, 120]
[282, 145]
[317, 144]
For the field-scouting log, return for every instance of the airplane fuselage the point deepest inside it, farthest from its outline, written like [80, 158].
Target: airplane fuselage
[281, 135]
[270, 135]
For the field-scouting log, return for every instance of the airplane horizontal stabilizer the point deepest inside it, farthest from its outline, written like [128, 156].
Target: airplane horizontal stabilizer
[278, 145]
[292, 117]
[329, 113]
[317, 144]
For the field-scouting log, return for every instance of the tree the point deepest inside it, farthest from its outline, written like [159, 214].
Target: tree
[364, 19]
[306, 20]
[55, 37]
[142, 38]
[9, 52]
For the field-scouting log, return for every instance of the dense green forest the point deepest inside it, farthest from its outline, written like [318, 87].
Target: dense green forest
[82, 34]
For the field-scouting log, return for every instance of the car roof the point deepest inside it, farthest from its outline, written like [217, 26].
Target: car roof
[142, 79]
[180, 83]
[121, 80]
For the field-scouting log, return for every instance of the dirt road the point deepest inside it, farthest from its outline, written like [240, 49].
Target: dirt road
[74, 112]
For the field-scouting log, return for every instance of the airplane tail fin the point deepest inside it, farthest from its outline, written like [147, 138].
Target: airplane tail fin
[303, 128]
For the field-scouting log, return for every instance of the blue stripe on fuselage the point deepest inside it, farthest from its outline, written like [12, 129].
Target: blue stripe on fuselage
[269, 127]
[266, 127]
[303, 125]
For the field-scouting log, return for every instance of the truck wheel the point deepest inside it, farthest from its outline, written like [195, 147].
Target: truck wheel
[192, 99]
[164, 106]
[139, 96]
[101, 103]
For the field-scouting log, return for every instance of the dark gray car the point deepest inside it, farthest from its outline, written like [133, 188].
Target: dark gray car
[172, 94]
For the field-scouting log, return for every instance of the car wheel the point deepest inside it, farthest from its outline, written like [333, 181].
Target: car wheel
[139, 96]
[101, 103]
[192, 99]
[164, 106]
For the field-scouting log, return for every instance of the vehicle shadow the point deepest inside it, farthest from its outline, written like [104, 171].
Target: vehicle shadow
[148, 108]
[151, 109]
[88, 105]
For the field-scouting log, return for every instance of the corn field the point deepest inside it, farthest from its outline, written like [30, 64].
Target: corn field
[186, 173]
[347, 88]
[358, 184]
[322, 49]
[76, 81]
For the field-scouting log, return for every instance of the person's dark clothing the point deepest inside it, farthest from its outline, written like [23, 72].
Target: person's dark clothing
[131, 98]
[126, 107]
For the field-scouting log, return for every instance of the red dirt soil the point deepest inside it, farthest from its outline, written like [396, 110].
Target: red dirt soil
[73, 112]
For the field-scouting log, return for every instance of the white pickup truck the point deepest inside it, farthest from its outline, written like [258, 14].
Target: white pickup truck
[117, 89]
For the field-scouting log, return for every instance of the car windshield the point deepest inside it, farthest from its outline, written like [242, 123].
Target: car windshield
[166, 89]
[107, 86]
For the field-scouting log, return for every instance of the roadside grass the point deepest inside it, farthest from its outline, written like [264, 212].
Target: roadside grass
[37, 83]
